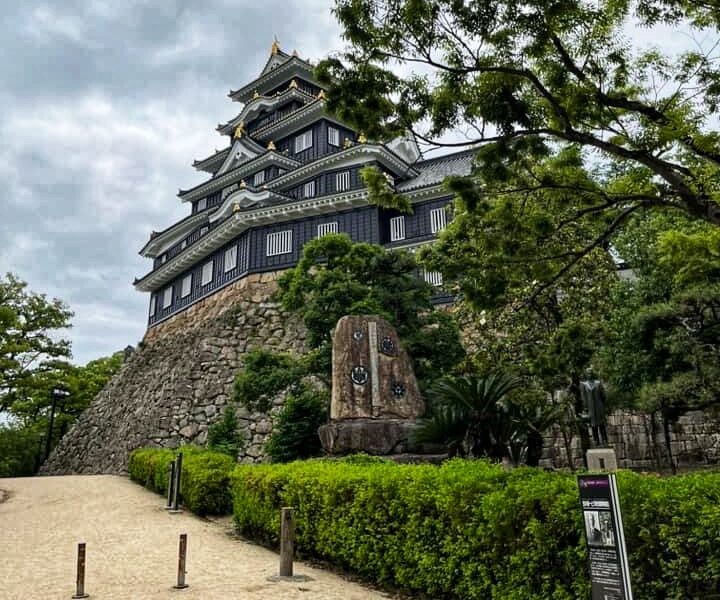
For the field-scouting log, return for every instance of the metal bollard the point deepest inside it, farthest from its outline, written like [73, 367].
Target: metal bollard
[287, 537]
[171, 485]
[178, 477]
[182, 556]
[80, 579]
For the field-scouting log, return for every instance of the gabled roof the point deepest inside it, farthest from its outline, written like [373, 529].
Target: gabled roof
[213, 162]
[276, 58]
[292, 67]
[260, 103]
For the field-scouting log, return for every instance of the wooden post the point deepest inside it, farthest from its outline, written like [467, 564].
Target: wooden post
[182, 556]
[287, 537]
[170, 485]
[80, 579]
[178, 477]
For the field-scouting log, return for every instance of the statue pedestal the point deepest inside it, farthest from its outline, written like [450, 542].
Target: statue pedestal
[374, 436]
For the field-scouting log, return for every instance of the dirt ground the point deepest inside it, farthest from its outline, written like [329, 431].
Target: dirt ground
[132, 548]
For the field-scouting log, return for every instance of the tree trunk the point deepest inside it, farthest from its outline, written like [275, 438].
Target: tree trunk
[534, 448]
[666, 431]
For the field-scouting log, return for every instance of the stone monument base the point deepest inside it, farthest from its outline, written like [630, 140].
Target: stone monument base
[379, 437]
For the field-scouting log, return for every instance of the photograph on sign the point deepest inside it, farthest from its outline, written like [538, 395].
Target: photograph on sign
[599, 528]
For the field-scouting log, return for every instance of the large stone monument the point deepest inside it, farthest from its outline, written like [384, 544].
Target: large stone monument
[375, 397]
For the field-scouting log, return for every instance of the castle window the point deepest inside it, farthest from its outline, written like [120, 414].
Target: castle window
[259, 178]
[153, 304]
[207, 273]
[342, 181]
[183, 245]
[303, 141]
[309, 189]
[438, 219]
[230, 258]
[397, 229]
[167, 297]
[434, 278]
[325, 228]
[333, 136]
[186, 286]
[163, 259]
[204, 230]
[279, 243]
[202, 204]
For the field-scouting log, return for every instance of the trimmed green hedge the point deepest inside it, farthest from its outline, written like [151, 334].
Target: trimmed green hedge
[472, 530]
[205, 483]
[466, 530]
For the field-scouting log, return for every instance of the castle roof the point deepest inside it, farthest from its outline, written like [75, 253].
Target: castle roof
[435, 170]
[279, 67]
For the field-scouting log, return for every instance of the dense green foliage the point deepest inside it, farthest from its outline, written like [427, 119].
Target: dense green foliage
[336, 277]
[474, 531]
[580, 136]
[264, 374]
[522, 77]
[294, 434]
[28, 345]
[24, 438]
[489, 416]
[223, 436]
[20, 450]
[467, 529]
[33, 361]
[204, 486]
[664, 336]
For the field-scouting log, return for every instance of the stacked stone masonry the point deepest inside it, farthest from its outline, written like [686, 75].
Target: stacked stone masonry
[179, 380]
[639, 442]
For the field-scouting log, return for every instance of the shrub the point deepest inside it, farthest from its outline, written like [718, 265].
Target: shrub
[264, 374]
[472, 530]
[20, 450]
[204, 486]
[149, 467]
[223, 436]
[295, 434]
[205, 483]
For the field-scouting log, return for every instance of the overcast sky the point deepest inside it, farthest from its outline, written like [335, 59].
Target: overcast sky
[104, 106]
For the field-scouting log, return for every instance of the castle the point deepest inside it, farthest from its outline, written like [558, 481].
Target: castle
[289, 174]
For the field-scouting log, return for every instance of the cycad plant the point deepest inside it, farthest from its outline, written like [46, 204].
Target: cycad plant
[475, 416]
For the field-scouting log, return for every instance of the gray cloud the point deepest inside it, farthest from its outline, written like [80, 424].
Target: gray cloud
[105, 105]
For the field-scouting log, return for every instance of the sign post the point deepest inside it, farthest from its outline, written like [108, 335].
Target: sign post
[609, 571]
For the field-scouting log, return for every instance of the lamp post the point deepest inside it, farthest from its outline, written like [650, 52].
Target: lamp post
[57, 393]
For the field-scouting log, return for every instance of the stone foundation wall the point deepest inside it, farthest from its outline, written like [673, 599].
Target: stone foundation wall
[639, 442]
[179, 380]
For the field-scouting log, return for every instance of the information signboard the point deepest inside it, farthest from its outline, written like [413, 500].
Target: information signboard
[609, 572]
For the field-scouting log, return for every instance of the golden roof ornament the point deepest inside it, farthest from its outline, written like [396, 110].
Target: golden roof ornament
[243, 185]
[275, 48]
[239, 130]
[347, 143]
[293, 85]
[271, 145]
[256, 95]
[321, 95]
[236, 207]
[362, 139]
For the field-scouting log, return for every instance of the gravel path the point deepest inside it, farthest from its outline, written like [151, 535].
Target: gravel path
[132, 546]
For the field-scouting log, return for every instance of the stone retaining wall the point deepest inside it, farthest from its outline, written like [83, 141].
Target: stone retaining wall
[179, 380]
[639, 442]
